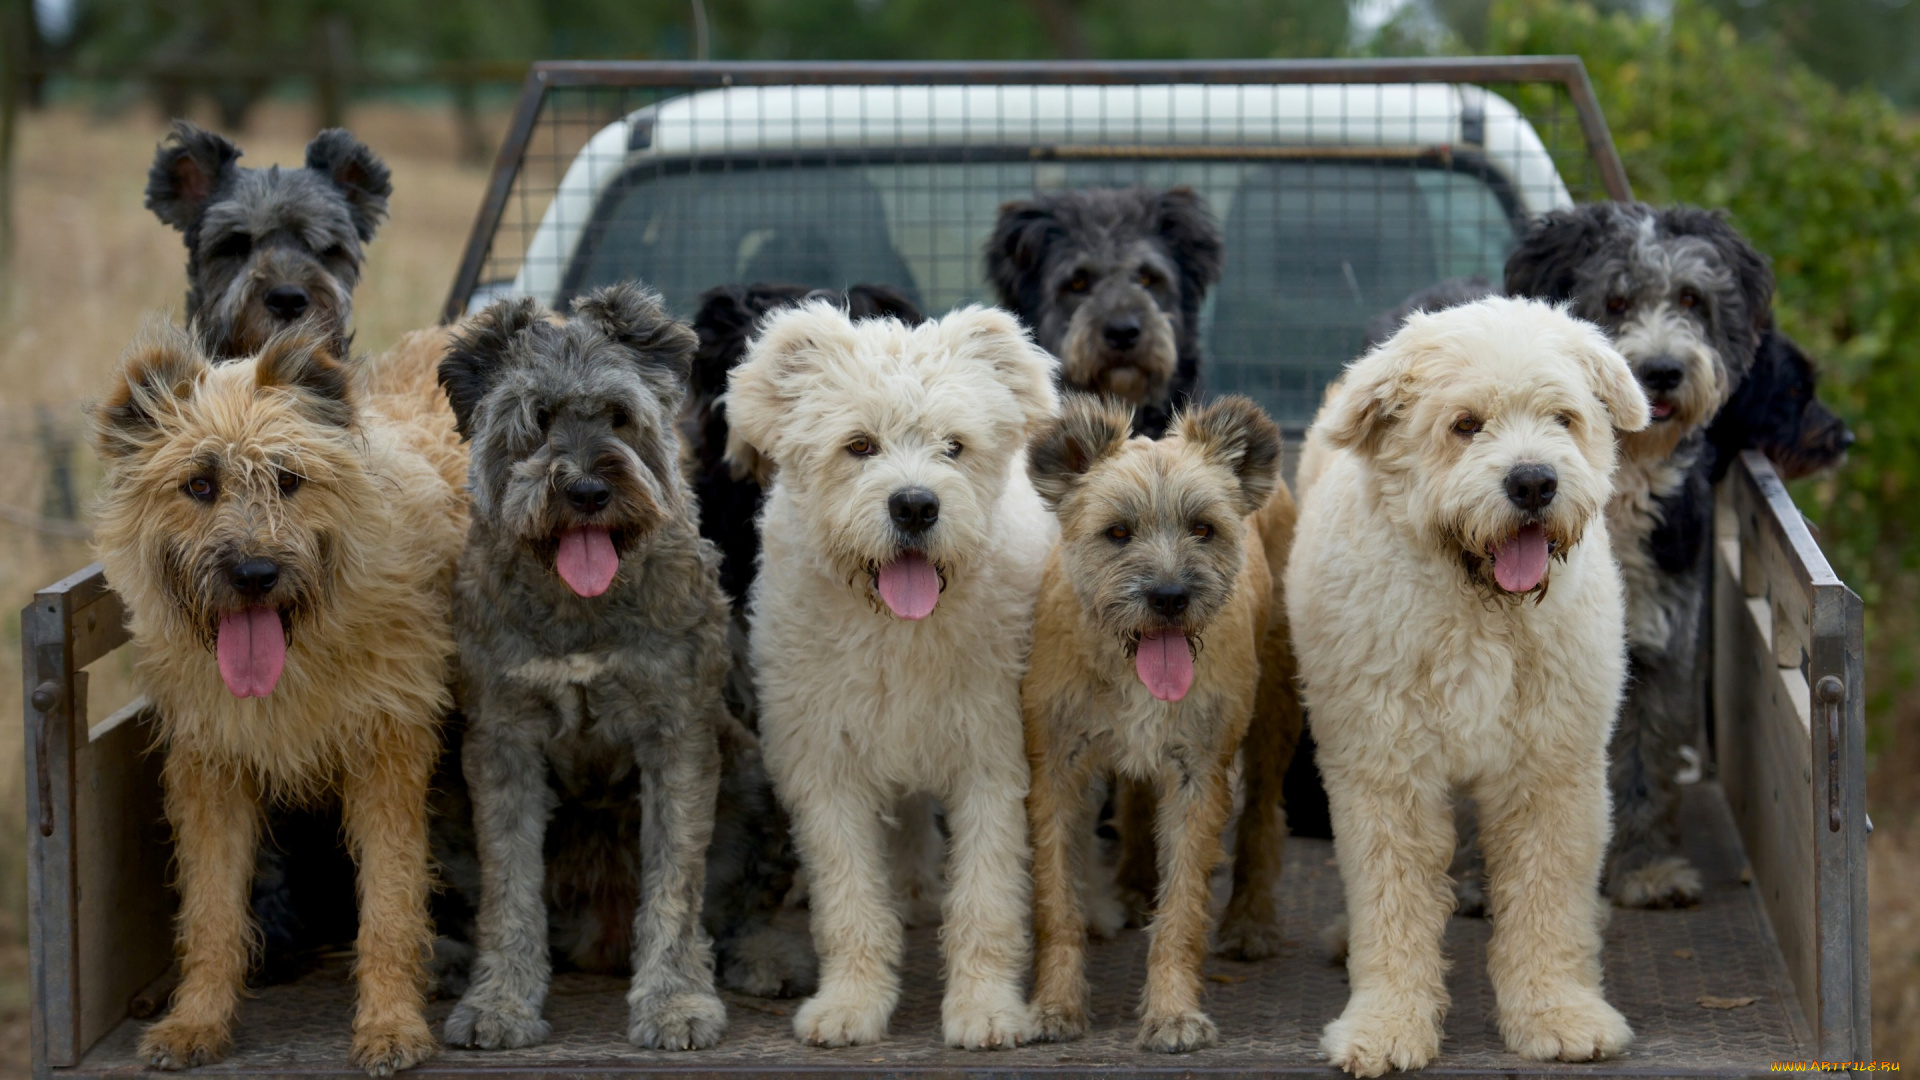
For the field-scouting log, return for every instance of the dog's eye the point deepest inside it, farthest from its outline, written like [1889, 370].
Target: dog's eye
[1689, 299]
[1079, 282]
[289, 482]
[1565, 420]
[1468, 426]
[202, 488]
[861, 446]
[1202, 531]
[620, 418]
[232, 246]
[1119, 534]
[336, 253]
[543, 418]
[954, 448]
[1146, 278]
[1616, 304]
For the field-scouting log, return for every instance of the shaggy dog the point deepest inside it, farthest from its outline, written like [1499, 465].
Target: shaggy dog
[266, 247]
[902, 550]
[592, 636]
[1111, 280]
[1685, 299]
[1459, 623]
[1776, 412]
[284, 538]
[1157, 554]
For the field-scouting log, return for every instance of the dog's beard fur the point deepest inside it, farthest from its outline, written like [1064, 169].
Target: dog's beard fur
[534, 507]
[1667, 332]
[238, 323]
[1139, 375]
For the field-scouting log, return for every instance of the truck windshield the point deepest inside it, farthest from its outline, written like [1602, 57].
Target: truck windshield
[1314, 247]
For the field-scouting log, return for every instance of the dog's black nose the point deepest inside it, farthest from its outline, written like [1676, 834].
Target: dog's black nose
[588, 495]
[1661, 374]
[1532, 486]
[914, 510]
[1122, 331]
[1168, 601]
[287, 302]
[254, 578]
[1843, 438]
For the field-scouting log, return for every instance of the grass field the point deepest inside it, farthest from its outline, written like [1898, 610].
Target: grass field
[91, 263]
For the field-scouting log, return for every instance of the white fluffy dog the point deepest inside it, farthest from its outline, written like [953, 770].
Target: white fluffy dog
[1460, 624]
[891, 621]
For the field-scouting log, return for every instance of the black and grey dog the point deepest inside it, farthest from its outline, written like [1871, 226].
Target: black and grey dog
[1777, 412]
[1686, 300]
[268, 247]
[592, 636]
[1111, 281]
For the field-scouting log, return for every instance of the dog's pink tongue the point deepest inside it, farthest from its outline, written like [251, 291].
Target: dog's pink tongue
[586, 560]
[1165, 664]
[910, 586]
[1521, 562]
[252, 651]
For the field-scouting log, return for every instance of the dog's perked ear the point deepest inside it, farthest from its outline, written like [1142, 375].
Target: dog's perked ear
[478, 352]
[1187, 226]
[996, 338]
[1019, 242]
[882, 302]
[159, 370]
[1752, 275]
[1612, 380]
[1238, 435]
[363, 179]
[1546, 263]
[1067, 447]
[636, 318]
[791, 347]
[302, 360]
[189, 165]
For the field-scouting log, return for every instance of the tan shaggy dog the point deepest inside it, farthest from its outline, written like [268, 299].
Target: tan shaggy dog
[283, 531]
[1160, 550]
[1460, 625]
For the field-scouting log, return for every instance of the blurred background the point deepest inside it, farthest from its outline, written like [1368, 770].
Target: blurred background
[1799, 116]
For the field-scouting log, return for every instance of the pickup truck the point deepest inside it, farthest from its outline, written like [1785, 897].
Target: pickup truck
[1341, 187]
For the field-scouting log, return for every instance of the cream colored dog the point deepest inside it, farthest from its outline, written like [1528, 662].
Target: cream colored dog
[902, 547]
[1460, 625]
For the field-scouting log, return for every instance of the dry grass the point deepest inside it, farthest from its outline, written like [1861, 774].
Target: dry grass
[89, 265]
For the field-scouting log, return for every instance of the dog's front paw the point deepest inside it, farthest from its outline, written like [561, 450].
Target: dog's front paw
[840, 1020]
[990, 1028]
[1663, 883]
[1137, 905]
[1368, 1041]
[494, 1025]
[1469, 899]
[770, 962]
[175, 1043]
[685, 1021]
[385, 1049]
[1248, 937]
[1055, 1022]
[1176, 1033]
[1583, 1028]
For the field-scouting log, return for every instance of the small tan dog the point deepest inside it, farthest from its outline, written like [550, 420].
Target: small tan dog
[283, 531]
[1158, 552]
[1460, 627]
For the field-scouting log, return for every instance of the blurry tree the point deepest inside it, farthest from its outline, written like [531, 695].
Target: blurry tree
[1852, 42]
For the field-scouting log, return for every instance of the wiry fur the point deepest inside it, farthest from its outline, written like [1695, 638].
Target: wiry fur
[1422, 675]
[1214, 473]
[267, 247]
[1676, 289]
[1111, 280]
[606, 709]
[858, 707]
[365, 546]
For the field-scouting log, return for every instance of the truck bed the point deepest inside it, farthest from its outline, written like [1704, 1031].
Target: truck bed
[1659, 964]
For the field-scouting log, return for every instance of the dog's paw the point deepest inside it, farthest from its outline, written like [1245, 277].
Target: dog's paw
[494, 1025]
[1583, 1028]
[1469, 899]
[1137, 906]
[1333, 940]
[990, 1028]
[770, 963]
[840, 1020]
[1244, 937]
[180, 1044]
[1176, 1033]
[385, 1049]
[1663, 883]
[1106, 915]
[1054, 1022]
[1369, 1041]
[684, 1021]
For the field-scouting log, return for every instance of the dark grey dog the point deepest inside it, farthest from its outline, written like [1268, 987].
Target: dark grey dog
[267, 247]
[1111, 281]
[593, 648]
[1685, 299]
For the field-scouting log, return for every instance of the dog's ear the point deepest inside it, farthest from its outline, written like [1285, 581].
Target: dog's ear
[1367, 398]
[882, 302]
[722, 324]
[1187, 226]
[1017, 248]
[1067, 447]
[160, 369]
[638, 319]
[1238, 435]
[1546, 263]
[1752, 275]
[997, 339]
[303, 360]
[477, 354]
[792, 346]
[189, 165]
[359, 174]
[1612, 379]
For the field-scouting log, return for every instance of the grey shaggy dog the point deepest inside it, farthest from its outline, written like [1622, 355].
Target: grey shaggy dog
[1686, 300]
[268, 247]
[593, 648]
[1111, 281]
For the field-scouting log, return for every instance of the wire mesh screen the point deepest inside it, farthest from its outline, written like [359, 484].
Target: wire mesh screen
[1335, 200]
